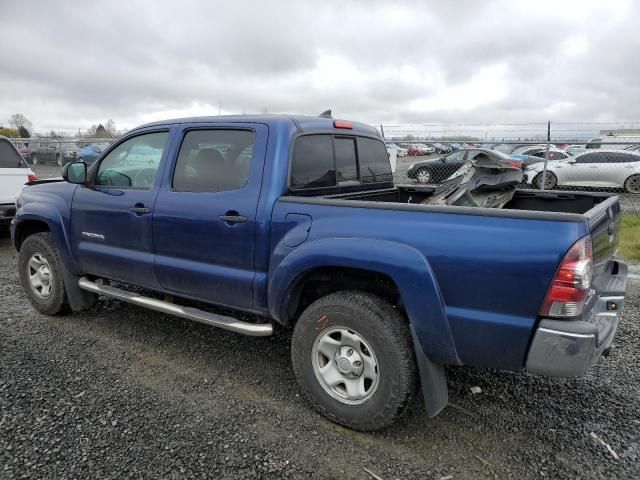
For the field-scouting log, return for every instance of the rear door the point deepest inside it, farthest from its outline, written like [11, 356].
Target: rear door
[204, 221]
[14, 172]
[111, 217]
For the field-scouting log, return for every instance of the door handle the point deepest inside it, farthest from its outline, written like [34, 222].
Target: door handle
[139, 208]
[233, 217]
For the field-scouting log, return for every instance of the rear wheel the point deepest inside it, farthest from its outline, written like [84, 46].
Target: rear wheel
[550, 183]
[423, 176]
[632, 184]
[354, 361]
[59, 159]
[41, 274]
[34, 159]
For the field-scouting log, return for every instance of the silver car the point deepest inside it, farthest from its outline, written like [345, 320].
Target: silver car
[602, 168]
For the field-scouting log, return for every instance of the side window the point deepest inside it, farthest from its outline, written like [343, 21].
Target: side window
[9, 158]
[214, 160]
[455, 157]
[374, 161]
[346, 163]
[590, 158]
[134, 163]
[312, 164]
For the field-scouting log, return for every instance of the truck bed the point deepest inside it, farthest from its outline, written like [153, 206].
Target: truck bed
[492, 266]
[524, 200]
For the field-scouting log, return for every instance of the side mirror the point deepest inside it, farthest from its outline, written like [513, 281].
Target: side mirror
[75, 172]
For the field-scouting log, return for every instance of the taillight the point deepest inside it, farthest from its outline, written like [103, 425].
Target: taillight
[570, 286]
[32, 177]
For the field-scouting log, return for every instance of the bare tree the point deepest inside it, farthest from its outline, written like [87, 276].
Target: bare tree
[18, 120]
[92, 130]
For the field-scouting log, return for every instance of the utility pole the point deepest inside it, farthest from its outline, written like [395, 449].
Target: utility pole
[546, 156]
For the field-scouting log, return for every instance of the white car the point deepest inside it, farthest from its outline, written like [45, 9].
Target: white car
[400, 152]
[599, 168]
[14, 173]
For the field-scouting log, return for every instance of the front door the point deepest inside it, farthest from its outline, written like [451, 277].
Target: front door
[111, 217]
[204, 219]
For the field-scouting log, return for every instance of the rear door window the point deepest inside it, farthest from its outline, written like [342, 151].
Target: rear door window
[214, 160]
[9, 157]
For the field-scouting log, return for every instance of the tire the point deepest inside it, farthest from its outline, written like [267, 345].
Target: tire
[423, 176]
[550, 184]
[38, 251]
[59, 159]
[632, 184]
[34, 159]
[385, 352]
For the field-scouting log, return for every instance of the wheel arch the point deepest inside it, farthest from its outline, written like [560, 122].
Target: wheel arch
[392, 268]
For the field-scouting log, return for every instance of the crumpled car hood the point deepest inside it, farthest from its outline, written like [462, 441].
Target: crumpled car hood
[484, 182]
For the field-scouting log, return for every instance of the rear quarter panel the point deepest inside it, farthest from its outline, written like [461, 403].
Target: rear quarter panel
[491, 273]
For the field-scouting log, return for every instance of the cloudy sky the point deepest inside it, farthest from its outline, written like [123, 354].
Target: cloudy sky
[67, 65]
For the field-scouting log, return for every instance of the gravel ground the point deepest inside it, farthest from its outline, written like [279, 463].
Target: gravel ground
[118, 391]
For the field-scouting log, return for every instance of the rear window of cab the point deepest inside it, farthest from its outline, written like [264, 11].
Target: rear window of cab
[330, 161]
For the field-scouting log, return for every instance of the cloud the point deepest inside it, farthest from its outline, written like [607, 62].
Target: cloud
[73, 64]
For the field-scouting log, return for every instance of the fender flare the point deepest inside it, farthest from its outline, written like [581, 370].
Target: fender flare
[405, 265]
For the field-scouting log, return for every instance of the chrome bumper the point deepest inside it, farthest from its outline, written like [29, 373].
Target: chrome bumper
[568, 348]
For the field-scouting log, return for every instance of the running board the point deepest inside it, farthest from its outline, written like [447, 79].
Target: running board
[221, 321]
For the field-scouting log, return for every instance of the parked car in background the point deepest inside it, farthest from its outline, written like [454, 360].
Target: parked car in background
[537, 155]
[602, 168]
[454, 147]
[437, 170]
[400, 151]
[89, 153]
[23, 148]
[419, 149]
[46, 151]
[574, 150]
[14, 173]
[440, 148]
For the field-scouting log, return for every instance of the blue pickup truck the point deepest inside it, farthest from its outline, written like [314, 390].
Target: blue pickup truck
[295, 221]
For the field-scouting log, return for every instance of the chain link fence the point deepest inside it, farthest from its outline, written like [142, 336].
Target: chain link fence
[571, 157]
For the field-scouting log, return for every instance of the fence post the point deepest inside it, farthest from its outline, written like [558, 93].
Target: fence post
[546, 157]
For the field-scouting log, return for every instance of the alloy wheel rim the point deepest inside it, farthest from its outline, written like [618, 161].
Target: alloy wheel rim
[633, 184]
[40, 276]
[345, 365]
[423, 176]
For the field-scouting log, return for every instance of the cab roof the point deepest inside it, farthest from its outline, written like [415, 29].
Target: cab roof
[302, 123]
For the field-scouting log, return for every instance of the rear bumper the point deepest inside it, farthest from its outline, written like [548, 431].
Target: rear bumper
[7, 212]
[568, 348]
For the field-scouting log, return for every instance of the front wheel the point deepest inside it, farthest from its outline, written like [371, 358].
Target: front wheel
[632, 184]
[354, 361]
[59, 159]
[41, 274]
[34, 159]
[550, 183]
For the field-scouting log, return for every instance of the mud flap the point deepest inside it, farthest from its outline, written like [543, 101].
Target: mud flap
[78, 299]
[433, 380]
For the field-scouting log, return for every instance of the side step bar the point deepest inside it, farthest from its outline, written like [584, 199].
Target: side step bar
[221, 321]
